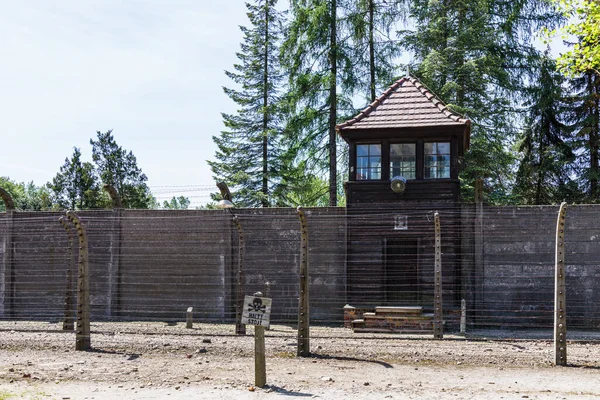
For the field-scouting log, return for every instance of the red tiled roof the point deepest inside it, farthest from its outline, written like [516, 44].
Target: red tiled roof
[407, 103]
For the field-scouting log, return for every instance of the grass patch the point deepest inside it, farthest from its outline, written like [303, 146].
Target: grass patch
[6, 395]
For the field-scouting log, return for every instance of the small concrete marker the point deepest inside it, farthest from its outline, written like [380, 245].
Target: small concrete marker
[189, 320]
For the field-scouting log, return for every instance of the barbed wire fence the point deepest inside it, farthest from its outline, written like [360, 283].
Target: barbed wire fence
[370, 270]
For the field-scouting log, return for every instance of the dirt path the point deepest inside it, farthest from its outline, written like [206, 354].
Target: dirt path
[159, 361]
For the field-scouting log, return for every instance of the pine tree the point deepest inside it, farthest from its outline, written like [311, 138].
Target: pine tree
[176, 203]
[374, 56]
[75, 186]
[585, 116]
[248, 151]
[475, 54]
[117, 167]
[312, 54]
[545, 173]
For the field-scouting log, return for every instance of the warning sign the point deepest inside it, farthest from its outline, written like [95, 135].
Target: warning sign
[257, 311]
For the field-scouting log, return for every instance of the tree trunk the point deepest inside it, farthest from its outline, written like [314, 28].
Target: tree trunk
[265, 142]
[594, 84]
[460, 92]
[541, 165]
[333, 107]
[371, 50]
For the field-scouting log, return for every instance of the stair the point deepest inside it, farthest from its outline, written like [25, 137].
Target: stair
[394, 319]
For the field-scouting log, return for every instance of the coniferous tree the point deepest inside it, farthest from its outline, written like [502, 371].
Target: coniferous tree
[117, 167]
[475, 54]
[176, 203]
[248, 151]
[75, 186]
[545, 173]
[585, 116]
[370, 24]
[316, 61]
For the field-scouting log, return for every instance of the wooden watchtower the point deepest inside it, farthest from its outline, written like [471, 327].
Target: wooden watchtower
[405, 153]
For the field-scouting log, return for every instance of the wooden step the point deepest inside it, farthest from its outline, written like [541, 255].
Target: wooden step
[425, 317]
[398, 323]
[390, 330]
[358, 324]
[408, 310]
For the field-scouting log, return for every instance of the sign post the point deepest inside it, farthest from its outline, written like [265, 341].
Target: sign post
[257, 312]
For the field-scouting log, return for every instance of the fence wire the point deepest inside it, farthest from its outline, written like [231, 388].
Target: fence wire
[151, 265]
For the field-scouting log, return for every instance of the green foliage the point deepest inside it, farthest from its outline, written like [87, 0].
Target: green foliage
[248, 150]
[584, 116]
[545, 171]
[374, 53]
[75, 186]
[475, 54]
[317, 62]
[118, 167]
[177, 203]
[26, 196]
[304, 189]
[584, 24]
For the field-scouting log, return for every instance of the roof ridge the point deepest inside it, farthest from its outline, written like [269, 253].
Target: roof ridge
[421, 88]
[364, 113]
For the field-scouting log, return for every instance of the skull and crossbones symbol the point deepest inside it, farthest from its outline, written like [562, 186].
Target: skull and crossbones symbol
[257, 305]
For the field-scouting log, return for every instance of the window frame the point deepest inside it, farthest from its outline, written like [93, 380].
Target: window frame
[416, 155]
[437, 166]
[385, 166]
[382, 149]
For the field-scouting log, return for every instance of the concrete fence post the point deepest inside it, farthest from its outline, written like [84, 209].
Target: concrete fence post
[303, 303]
[189, 318]
[82, 339]
[69, 317]
[240, 329]
[463, 316]
[438, 315]
[267, 293]
[478, 250]
[7, 278]
[114, 278]
[560, 306]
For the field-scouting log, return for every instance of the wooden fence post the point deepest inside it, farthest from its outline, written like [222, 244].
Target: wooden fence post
[69, 317]
[240, 329]
[303, 304]
[438, 316]
[82, 339]
[560, 308]
[260, 366]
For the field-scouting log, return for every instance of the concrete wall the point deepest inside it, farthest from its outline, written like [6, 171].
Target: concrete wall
[273, 255]
[172, 260]
[149, 264]
[518, 271]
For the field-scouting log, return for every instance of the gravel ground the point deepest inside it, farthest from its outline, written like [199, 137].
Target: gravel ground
[160, 360]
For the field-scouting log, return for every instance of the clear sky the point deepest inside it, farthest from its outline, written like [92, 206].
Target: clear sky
[151, 70]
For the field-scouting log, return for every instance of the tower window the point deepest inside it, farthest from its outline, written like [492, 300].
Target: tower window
[368, 161]
[437, 160]
[403, 160]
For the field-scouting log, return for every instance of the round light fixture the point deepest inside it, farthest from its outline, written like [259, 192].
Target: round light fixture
[398, 184]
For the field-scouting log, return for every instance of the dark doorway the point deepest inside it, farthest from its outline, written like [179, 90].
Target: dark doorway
[402, 283]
